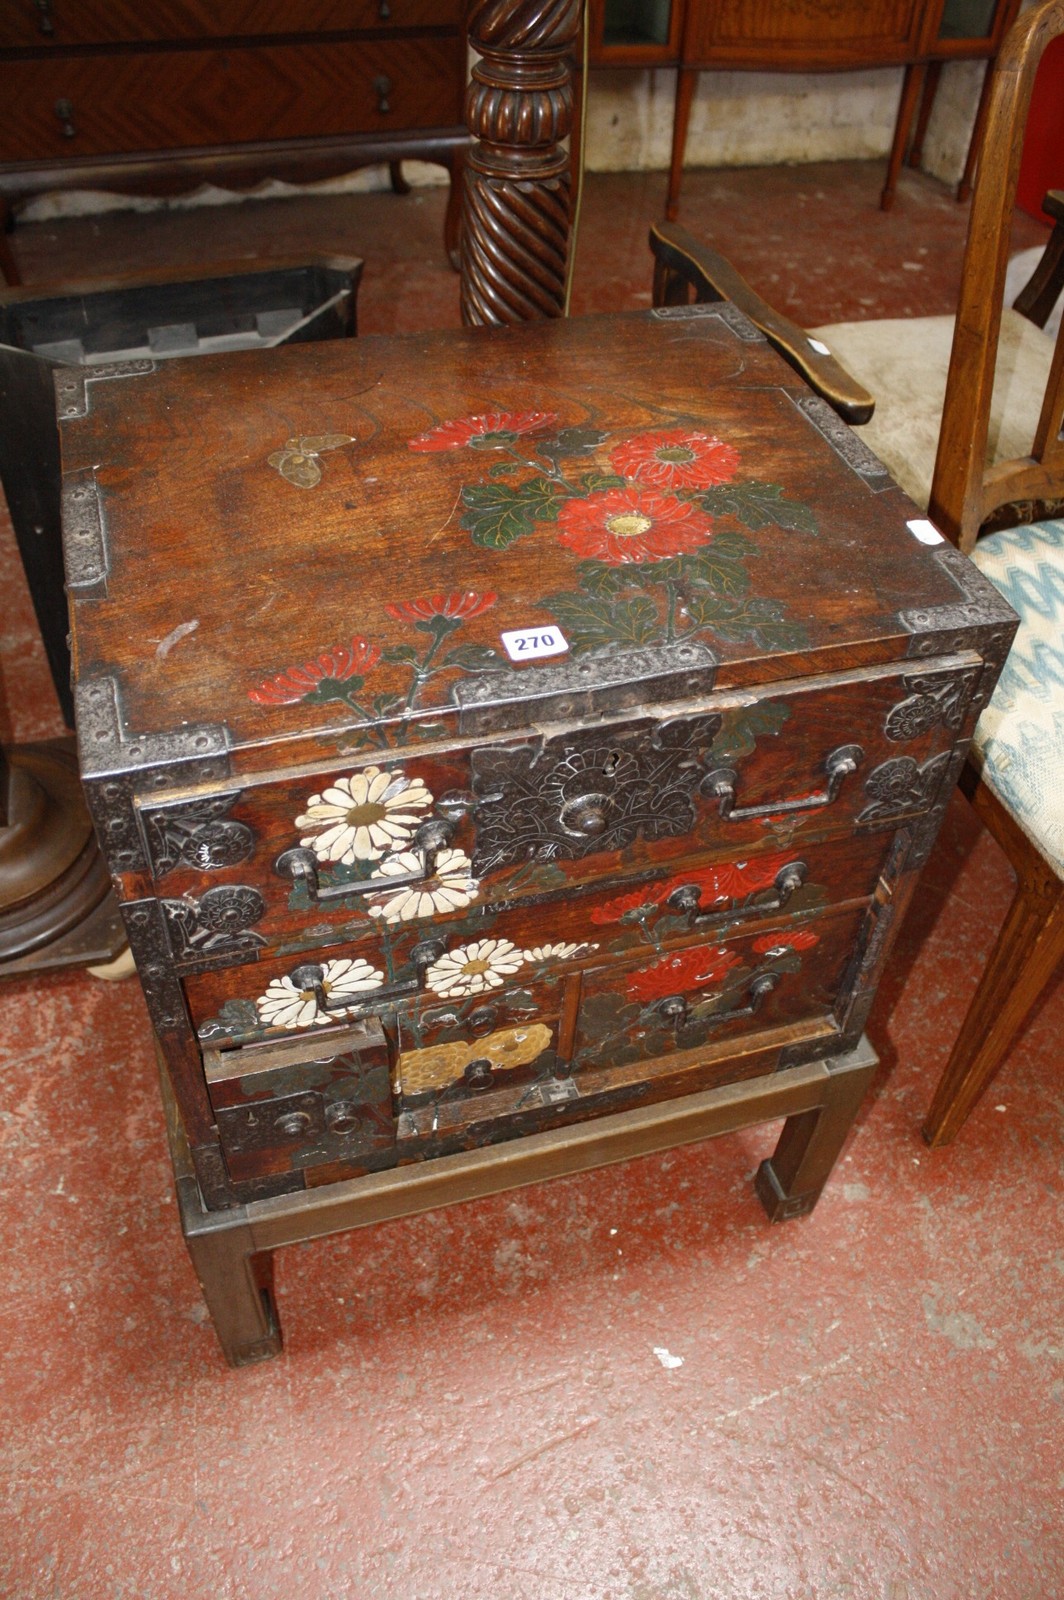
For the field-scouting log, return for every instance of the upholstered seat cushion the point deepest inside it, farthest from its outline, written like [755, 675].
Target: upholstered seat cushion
[1019, 741]
[903, 362]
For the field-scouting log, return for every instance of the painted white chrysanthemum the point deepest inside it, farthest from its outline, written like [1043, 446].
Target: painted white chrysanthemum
[558, 952]
[472, 968]
[285, 1006]
[363, 817]
[450, 887]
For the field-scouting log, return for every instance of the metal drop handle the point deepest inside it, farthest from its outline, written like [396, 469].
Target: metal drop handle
[301, 865]
[65, 112]
[839, 764]
[674, 1007]
[383, 87]
[309, 977]
[686, 899]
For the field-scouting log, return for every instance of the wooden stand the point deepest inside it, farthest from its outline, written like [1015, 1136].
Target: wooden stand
[232, 1250]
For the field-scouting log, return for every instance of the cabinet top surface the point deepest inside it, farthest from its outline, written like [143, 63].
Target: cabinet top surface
[286, 544]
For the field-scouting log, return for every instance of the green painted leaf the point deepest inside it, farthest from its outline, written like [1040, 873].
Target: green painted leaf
[596, 482]
[744, 725]
[718, 572]
[407, 654]
[753, 618]
[601, 579]
[497, 514]
[571, 442]
[333, 689]
[472, 657]
[587, 620]
[759, 505]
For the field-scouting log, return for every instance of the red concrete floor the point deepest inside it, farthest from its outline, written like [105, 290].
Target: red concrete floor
[621, 1386]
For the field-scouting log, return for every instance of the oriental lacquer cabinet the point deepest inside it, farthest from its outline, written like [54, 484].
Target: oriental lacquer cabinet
[513, 750]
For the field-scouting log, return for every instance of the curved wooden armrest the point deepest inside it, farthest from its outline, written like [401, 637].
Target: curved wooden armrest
[682, 263]
[1042, 290]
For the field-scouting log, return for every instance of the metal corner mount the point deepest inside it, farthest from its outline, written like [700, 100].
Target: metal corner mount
[845, 443]
[725, 311]
[72, 384]
[105, 746]
[84, 536]
[980, 606]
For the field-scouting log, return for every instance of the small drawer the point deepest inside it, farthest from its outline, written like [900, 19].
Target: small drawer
[61, 23]
[287, 1106]
[699, 994]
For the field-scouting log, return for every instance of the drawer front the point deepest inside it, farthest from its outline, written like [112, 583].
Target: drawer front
[60, 23]
[334, 857]
[167, 100]
[284, 1108]
[702, 994]
[775, 33]
[452, 977]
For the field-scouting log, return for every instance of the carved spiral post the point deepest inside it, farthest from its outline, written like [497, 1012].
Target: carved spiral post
[515, 222]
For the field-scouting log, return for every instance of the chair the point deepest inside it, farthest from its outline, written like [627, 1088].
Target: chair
[958, 403]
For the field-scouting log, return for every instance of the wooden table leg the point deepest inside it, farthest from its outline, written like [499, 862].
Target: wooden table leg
[927, 105]
[236, 1278]
[975, 144]
[910, 88]
[790, 1182]
[686, 84]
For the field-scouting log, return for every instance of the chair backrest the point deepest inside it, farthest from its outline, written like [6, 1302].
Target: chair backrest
[964, 493]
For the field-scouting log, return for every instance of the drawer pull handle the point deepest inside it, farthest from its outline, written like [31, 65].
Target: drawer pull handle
[310, 978]
[674, 1007]
[302, 866]
[65, 112]
[45, 20]
[721, 785]
[383, 87]
[686, 899]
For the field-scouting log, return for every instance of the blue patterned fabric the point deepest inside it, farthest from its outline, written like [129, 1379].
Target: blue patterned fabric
[1020, 737]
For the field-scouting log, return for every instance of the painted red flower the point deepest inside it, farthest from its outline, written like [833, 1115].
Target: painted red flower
[335, 666]
[491, 431]
[613, 910]
[797, 939]
[688, 969]
[460, 605]
[632, 525]
[676, 458]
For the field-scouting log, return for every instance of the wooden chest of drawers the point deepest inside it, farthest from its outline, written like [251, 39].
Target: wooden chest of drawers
[162, 97]
[492, 731]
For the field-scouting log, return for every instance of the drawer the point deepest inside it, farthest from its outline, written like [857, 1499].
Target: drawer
[330, 857]
[697, 995]
[166, 100]
[284, 1107]
[458, 972]
[767, 33]
[60, 23]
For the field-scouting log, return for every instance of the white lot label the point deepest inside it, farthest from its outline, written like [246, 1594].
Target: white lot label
[528, 644]
[925, 531]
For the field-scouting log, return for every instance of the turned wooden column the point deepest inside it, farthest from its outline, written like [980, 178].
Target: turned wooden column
[516, 216]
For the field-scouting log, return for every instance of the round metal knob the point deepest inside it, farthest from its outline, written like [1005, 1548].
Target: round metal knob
[342, 1117]
[587, 815]
[293, 1123]
[478, 1074]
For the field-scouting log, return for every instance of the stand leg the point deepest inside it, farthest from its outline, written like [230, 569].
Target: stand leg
[395, 173]
[789, 1183]
[237, 1280]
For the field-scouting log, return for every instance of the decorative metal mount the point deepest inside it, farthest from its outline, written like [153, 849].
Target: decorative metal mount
[197, 834]
[936, 699]
[215, 930]
[901, 786]
[725, 311]
[84, 536]
[72, 384]
[589, 790]
[117, 765]
[584, 686]
[845, 443]
[981, 620]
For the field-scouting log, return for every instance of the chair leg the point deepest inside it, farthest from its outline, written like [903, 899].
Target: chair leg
[1029, 948]
[923, 117]
[975, 143]
[910, 89]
